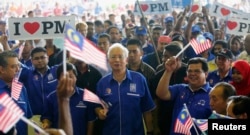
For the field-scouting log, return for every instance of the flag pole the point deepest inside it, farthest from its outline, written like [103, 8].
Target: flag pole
[149, 33]
[40, 130]
[198, 126]
[192, 119]
[182, 50]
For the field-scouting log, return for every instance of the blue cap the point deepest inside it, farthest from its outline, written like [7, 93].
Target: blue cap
[169, 19]
[196, 29]
[141, 30]
[209, 36]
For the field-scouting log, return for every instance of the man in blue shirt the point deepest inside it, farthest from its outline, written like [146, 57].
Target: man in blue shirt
[40, 80]
[127, 94]
[224, 71]
[141, 34]
[195, 94]
[82, 112]
[9, 67]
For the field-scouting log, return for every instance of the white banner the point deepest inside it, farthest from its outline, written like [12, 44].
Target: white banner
[38, 27]
[223, 11]
[238, 27]
[153, 7]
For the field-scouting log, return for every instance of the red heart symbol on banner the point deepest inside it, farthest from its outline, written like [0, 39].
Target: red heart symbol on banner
[231, 25]
[224, 11]
[31, 27]
[194, 8]
[144, 7]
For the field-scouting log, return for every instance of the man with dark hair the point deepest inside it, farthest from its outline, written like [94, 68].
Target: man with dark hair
[115, 34]
[91, 32]
[99, 28]
[135, 62]
[82, 112]
[141, 34]
[156, 33]
[165, 108]
[151, 58]
[238, 107]
[107, 24]
[9, 68]
[219, 96]
[194, 94]
[39, 80]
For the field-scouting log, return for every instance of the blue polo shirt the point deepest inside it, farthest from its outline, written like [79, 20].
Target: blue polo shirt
[23, 103]
[197, 102]
[81, 111]
[213, 77]
[127, 102]
[38, 86]
[27, 63]
[147, 48]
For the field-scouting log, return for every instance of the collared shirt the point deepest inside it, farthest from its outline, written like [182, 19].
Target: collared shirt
[27, 63]
[127, 102]
[23, 103]
[147, 71]
[197, 102]
[151, 59]
[88, 79]
[214, 77]
[82, 111]
[147, 48]
[38, 86]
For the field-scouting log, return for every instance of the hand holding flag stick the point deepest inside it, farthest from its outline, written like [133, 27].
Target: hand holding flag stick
[10, 114]
[149, 32]
[199, 44]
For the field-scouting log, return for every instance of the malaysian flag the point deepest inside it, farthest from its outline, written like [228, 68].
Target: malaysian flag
[201, 123]
[10, 113]
[80, 48]
[91, 97]
[200, 44]
[16, 88]
[183, 122]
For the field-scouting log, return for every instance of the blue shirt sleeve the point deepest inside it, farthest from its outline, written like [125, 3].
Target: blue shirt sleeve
[147, 102]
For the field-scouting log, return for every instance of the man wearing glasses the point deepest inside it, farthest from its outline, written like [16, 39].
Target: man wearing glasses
[39, 80]
[224, 72]
[195, 94]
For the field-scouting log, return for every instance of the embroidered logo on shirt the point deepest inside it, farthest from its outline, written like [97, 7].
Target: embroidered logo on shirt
[211, 81]
[108, 91]
[132, 87]
[202, 102]
[35, 77]
[50, 77]
[81, 105]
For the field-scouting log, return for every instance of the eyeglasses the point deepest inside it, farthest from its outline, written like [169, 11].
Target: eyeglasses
[41, 57]
[194, 71]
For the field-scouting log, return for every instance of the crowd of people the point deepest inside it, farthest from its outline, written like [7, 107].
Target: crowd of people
[145, 86]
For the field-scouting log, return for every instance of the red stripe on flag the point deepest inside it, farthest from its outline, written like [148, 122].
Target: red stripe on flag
[89, 54]
[16, 88]
[10, 113]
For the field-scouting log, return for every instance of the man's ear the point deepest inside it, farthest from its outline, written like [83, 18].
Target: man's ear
[1, 69]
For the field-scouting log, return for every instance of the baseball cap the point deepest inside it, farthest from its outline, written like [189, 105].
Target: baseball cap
[209, 36]
[164, 39]
[196, 29]
[179, 38]
[225, 53]
[140, 30]
[169, 19]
